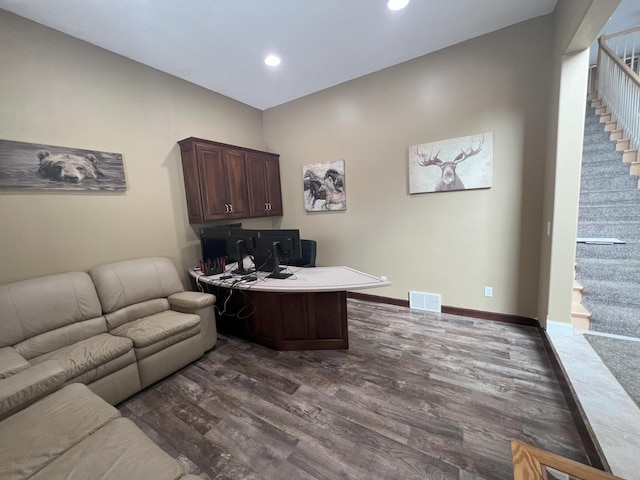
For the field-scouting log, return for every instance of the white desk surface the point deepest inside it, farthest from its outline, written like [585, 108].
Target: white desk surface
[315, 279]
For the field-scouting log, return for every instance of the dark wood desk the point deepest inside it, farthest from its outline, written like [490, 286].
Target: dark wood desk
[307, 311]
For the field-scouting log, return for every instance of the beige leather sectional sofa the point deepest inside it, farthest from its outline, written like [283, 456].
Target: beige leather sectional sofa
[73, 434]
[117, 329]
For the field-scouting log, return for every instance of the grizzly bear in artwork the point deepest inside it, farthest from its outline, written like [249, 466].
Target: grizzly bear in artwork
[67, 167]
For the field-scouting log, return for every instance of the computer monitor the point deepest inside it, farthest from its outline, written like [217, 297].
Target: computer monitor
[242, 243]
[275, 248]
[214, 241]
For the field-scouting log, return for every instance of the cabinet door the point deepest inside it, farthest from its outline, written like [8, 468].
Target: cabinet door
[236, 181]
[256, 175]
[211, 169]
[272, 179]
[191, 183]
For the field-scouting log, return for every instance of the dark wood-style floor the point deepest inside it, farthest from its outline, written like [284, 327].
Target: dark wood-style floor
[417, 396]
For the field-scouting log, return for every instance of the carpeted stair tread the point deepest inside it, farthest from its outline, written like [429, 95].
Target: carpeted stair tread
[629, 250]
[613, 318]
[610, 197]
[625, 182]
[623, 230]
[605, 168]
[614, 157]
[617, 213]
[611, 292]
[592, 147]
[609, 269]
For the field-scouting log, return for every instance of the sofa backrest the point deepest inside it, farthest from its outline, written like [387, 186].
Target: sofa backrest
[134, 288]
[43, 314]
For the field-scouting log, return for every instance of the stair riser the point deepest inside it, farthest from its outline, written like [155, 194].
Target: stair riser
[625, 197]
[621, 272]
[620, 296]
[591, 184]
[595, 129]
[599, 169]
[608, 252]
[627, 213]
[622, 231]
[598, 147]
[610, 318]
[609, 158]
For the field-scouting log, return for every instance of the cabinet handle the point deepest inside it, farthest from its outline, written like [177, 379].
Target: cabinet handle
[269, 206]
[231, 208]
[266, 206]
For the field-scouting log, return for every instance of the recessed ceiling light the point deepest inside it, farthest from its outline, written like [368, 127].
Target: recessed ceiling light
[272, 60]
[397, 4]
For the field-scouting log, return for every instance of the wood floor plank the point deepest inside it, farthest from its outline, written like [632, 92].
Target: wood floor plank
[418, 395]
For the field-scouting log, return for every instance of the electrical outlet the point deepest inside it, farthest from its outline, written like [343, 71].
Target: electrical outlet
[488, 292]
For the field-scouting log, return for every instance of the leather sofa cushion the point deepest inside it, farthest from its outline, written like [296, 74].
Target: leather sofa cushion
[191, 301]
[136, 311]
[125, 283]
[11, 362]
[33, 437]
[89, 354]
[159, 331]
[35, 306]
[117, 451]
[60, 337]
[29, 385]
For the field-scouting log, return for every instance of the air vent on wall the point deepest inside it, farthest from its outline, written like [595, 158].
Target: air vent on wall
[429, 302]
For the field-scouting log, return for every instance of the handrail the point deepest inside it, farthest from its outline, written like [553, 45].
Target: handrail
[618, 85]
[604, 47]
[619, 34]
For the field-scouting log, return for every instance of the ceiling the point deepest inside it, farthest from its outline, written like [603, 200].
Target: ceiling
[221, 44]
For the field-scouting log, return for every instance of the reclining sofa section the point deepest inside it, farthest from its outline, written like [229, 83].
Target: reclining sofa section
[117, 329]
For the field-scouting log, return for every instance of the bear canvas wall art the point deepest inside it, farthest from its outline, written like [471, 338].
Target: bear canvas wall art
[31, 166]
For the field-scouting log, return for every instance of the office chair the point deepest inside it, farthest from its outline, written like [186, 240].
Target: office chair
[308, 254]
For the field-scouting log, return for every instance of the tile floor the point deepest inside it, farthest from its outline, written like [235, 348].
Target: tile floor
[614, 417]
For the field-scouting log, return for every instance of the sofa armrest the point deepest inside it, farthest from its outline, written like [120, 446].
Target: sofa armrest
[190, 301]
[202, 305]
[11, 362]
[29, 385]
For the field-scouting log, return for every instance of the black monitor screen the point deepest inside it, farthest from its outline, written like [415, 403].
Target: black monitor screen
[214, 241]
[276, 247]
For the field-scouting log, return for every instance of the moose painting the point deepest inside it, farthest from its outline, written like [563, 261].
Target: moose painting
[462, 163]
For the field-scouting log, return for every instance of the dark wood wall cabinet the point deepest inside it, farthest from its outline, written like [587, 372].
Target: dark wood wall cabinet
[224, 182]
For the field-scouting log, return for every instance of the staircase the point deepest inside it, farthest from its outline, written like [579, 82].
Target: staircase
[609, 275]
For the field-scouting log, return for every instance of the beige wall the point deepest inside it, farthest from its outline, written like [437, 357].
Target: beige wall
[56, 90]
[451, 243]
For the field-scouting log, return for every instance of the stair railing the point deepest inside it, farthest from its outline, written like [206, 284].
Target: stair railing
[618, 82]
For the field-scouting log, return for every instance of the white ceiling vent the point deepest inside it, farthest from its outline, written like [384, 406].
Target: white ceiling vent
[430, 302]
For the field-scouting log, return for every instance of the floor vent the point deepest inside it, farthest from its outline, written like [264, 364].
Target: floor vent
[429, 302]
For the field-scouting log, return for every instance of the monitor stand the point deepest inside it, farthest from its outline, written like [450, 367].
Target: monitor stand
[277, 270]
[240, 254]
[280, 275]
